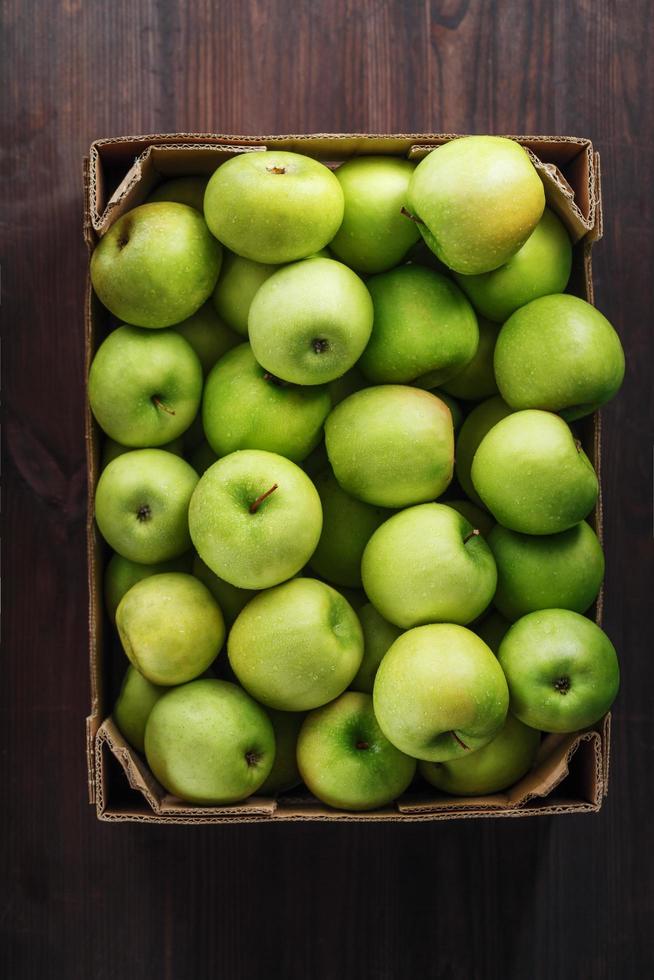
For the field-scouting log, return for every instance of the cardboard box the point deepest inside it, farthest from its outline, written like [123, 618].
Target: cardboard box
[571, 774]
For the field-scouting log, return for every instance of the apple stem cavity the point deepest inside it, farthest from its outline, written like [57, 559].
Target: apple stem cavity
[276, 170]
[254, 506]
[457, 739]
[144, 513]
[320, 345]
[252, 758]
[411, 217]
[473, 534]
[158, 402]
[363, 745]
[562, 685]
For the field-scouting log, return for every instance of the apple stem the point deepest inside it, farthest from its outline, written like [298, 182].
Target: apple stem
[412, 217]
[578, 445]
[363, 745]
[254, 506]
[158, 402]
[462, 744]
[274, 380]
[473, 534]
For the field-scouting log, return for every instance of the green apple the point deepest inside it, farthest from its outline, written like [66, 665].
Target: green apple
[273, 207]
[498, 765]
[347, 525]
[135, 701]
[246, 407]
[479, 519]
[346, 760]
[346, 385]
[533, 475]
[296, 646]
[453, 405]
[230, 598]
[236, 288]
[156, 265]
[183, 190]
[121, 574]
[477, 379]
[374, 235]
[391, 445]
[144, 387]
[141, 505]
[562, 670]
[208, 742]
[539, 268]
[284, 774]
[477, 199]
[171, 627]
[207, 335]
[255, 519]
[378, 635]
[202, 458]
[475, 426]
[428, 564]
[310, 321]
[559, 353]
[424, 328]
[552, 571]
[112, 449]
[492, 630]
[440, 693]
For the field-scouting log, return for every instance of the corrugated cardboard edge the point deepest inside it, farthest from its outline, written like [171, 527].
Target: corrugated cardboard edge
[592, 746]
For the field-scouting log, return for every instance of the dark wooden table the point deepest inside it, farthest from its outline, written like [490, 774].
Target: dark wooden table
[552, 898]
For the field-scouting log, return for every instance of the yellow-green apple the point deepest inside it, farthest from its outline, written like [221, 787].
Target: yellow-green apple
[246, 407]
[144, 386]
[440, 693]
[477, 379]
[136, 699]
[496, 766]
[121, 574]
[156, 265]
[374, 235]
[479, 518]
[476, 199]
[230, 598]
[424, 328]
[539, 268]
[208, 742]
[236, 287]
[310, 321]
[428, 564]
[273, 207]
[475, 426]
[551, 571]
[296, 646]
[558, 353]
[378, 635]
[284, 774]
[346, 760]
[533, 475]
[391, 445]
[562, 670]
[183, 190]
[209, 337]
[171, 627]
[347, 524]
[141, 505]
[255, 518]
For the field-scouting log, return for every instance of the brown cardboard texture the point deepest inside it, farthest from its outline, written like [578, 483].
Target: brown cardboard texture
[571, 772]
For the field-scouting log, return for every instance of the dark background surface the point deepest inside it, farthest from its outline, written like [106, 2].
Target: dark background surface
[566, 897]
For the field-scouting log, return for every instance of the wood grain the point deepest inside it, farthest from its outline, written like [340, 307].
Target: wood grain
[552, 898]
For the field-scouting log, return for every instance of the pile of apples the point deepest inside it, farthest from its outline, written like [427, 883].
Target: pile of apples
[293, 350]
